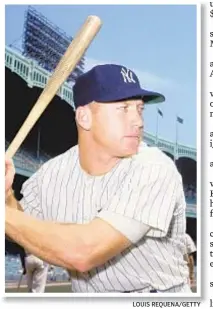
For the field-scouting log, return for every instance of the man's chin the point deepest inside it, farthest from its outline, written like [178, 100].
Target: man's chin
[129, 152]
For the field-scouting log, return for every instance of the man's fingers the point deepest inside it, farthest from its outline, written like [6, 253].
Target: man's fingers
[9, 173]
[9, 162]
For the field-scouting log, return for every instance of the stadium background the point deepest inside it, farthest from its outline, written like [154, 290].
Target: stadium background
[26, 73]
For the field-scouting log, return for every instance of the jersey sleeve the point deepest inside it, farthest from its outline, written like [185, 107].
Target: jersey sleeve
[190, 245]
[147, 197]
[31, 200]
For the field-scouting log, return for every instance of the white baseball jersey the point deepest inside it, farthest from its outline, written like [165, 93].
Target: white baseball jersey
[143, 189]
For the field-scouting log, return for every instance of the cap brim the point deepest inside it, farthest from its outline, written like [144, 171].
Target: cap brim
[149, 97]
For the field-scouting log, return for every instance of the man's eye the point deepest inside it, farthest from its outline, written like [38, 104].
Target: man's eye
[124, 108]
[140, 109]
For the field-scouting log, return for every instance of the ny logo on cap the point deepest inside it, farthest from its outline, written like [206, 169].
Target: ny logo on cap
[127, 76]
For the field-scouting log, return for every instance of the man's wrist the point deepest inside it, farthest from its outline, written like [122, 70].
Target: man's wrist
[9, 194]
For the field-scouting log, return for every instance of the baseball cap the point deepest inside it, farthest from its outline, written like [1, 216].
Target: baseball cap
[109, 83]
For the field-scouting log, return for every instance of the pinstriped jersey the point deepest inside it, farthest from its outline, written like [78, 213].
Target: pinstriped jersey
[143, 189]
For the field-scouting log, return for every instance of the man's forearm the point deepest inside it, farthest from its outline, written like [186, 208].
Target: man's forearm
[55, 243]
[11, 202]
[191, 267]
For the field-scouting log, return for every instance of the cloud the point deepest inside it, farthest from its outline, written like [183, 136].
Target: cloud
[147, 79]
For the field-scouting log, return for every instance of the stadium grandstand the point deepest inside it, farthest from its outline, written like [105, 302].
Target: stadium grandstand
[26, 74]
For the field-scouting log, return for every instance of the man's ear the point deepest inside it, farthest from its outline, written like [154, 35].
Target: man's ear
[83, 117]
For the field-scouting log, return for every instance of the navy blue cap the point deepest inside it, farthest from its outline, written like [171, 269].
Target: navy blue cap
[109, 83]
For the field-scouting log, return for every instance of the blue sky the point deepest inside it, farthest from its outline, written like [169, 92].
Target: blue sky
[158, 42]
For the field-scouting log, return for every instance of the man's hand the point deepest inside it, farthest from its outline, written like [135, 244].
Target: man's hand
[9, 176]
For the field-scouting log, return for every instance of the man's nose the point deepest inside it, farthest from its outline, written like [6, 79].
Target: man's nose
[138, 120]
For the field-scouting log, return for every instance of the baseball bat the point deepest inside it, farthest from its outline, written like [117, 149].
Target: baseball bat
[19, 282]
[64, 68]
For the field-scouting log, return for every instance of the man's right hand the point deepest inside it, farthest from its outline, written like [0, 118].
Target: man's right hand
[9, 176]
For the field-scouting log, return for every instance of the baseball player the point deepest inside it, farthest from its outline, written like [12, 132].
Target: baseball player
[36, 272]
[190, 250]
[110, 210]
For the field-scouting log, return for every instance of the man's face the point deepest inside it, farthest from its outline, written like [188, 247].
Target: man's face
[117, 126]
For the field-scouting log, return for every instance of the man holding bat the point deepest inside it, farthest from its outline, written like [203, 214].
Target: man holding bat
[111, 209]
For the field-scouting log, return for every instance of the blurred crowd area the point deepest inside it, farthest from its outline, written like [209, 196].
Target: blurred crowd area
[13, 271]
[190, 193]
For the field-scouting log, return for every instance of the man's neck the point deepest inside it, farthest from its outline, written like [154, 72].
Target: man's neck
[94, 160]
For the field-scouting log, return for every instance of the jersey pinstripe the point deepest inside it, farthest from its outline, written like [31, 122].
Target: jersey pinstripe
[145, 188]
